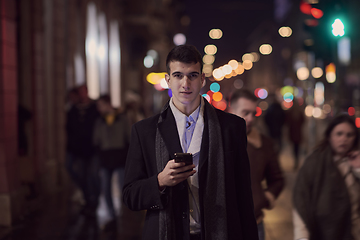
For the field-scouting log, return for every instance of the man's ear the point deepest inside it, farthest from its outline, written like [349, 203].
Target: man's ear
[203, 80]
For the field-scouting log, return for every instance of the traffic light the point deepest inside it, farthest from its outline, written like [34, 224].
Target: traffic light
[338, 28]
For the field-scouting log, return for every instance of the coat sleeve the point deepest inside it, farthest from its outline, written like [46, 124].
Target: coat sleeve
[141, 188]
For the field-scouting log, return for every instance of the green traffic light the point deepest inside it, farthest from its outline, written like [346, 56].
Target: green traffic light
[338, 28]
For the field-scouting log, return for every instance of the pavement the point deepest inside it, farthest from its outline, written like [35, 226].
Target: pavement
[278, 221]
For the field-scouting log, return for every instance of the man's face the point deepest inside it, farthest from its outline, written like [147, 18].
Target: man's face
[246, 109]
[185, 82]
[102, 107]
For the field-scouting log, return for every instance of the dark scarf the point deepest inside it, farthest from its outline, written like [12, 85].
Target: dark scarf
[214, 202]
[321, 198]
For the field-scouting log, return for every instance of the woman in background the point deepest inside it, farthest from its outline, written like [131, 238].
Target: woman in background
[327, 190]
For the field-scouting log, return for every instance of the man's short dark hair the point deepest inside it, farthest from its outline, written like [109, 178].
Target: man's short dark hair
[184, 54]
[242, 93]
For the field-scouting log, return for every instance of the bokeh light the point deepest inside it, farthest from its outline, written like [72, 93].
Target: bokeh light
[164, 84]
[327, 108]
[234, 64]
[309, 110]
[247, 64]
[148, 61]
[263, 105]
[215, 34]
[207, 68]
[248, 56]
[262, 93]
[154, 54]
[155, 78]
[317, 72]
[240, 69]
[256, 56]
[220, 105]
[215, 87]
[351, 111]
[288, 97]
[317, 112]
[179, 39]
[258, 112]
[357, 122]
[238, 83]
[319, 93]
[227, 69]
[169, 92]
[217, 96]
[210, 49]
[302, 73]
[208, 59]
[265, 49]
[218, 73]
[285, 31]
[287, 105]
[158, 87]
[207, 97]
[287, 89]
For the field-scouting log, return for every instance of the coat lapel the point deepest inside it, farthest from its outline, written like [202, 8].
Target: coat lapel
[169, 133]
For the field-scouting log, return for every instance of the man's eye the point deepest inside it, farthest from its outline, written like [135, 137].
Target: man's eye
[177, 75]
[193, 76]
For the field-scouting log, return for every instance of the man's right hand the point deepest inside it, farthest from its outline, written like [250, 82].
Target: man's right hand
[174, 173]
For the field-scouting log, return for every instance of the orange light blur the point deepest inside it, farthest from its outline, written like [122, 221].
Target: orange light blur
[220, 105]
[351, 111]
[233, 63]
[240, 69]
[217, 96]
[258, 112]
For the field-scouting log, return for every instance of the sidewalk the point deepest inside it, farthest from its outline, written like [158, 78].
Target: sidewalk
[278, 221]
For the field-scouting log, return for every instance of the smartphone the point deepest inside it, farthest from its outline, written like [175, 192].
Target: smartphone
[184, 157]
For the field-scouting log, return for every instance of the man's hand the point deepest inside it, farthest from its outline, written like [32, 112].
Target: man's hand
[354, 159]
[271, 199]
[174, 173]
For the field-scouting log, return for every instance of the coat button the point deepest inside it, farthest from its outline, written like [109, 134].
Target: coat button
[184, 215]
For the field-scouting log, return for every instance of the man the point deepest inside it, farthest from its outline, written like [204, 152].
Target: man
[264, 163]
[210, 199]
[111, 138]
[82, 164]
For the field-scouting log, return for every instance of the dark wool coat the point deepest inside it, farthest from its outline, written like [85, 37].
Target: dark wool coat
[141, 186]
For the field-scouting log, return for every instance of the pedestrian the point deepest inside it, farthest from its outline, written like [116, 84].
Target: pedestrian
[83, 166]
[264, 161]
[327, 190]
[207, 199]
[111, 138]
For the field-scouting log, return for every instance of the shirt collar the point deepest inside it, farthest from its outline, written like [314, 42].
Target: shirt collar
[181, 117]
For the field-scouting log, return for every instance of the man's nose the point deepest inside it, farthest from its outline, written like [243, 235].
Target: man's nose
[186, 82]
